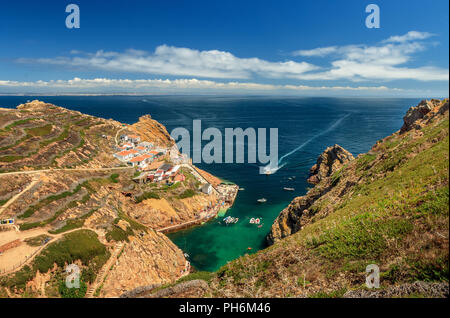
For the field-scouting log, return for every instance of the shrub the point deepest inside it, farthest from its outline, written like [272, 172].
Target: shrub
[146, 195]
[187, 194]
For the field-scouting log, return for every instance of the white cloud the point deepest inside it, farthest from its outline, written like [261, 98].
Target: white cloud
[320, 51]
[169, 60]
[378, 62]
[410, 36]
[385, 61]
[152, 85]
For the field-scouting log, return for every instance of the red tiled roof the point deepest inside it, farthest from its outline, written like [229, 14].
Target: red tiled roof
[141, 158]
[126, 152]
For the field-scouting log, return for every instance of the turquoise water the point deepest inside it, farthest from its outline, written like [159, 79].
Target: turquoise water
[306, 126]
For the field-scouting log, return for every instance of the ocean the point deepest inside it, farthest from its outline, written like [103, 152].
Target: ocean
[306, 126]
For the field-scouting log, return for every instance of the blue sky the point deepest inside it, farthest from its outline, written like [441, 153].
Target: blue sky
[220, 47]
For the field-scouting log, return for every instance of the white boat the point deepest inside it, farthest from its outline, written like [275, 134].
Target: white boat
[255, 220]
[262, 200]
[288, 189]
[241, 189]
[230, 219]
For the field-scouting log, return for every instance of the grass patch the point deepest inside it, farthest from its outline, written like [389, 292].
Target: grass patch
[82, 245]
[203, 275]
[145, 196]
[37, 240]
[74, 223]
[114, 177]
[363, 236]
[40, 131]
[30, 211]
[188, 193]
[10, 158]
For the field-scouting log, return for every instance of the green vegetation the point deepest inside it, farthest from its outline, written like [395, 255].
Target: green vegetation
[62, 136]
[30, 211]
[334, 294]
[114, 177]
[203, 275]
[82, 245]
[72, 292]
[187, 194]
[117, 234]
[363, 236]
[40, 131]
[10, 158]
[389, 207]
[73, 223]
[37, 240]
[146, 195]
[17, 123]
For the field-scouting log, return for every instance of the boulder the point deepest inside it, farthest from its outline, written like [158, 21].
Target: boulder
[330, 161]
[416, 113]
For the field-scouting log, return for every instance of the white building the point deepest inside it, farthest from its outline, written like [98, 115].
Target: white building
[126, 155]
[207, 188]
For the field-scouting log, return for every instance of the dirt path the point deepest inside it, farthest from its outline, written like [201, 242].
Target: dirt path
[63, 169]
[117, 134]
[9, 258]
[199, 176]
[14, 198]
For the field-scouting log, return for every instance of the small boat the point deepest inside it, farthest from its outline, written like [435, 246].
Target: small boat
[230, 219]
[241, 189]
[259, 226]
[255, 220]
[262, 200]
[288, 189]
[249, 248]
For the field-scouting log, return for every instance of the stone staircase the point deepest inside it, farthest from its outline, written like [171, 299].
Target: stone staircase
[104, 271]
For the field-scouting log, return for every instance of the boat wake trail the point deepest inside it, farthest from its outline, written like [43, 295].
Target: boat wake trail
[332, 126]
[268, 169]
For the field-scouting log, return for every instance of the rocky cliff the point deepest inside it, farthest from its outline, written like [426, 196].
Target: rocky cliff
[152, 131]
[388, 207]
[60, 182]
[300, 211]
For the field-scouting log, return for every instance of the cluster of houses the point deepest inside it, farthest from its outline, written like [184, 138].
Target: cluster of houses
[143, 155]
[136, 153]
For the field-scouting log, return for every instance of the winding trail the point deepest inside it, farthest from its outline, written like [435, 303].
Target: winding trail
[63, 169]
[54, 238]
[14, 198]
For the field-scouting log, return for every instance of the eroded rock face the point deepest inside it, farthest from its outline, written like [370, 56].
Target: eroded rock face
[149, 260]
[418, 112]
[330, 161]
[298, 213]
[152, 131]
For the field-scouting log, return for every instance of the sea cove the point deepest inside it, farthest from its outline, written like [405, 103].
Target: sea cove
[306, 127]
